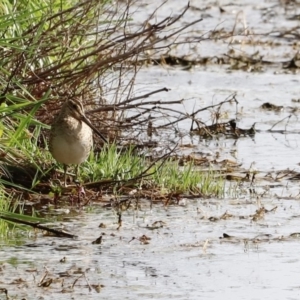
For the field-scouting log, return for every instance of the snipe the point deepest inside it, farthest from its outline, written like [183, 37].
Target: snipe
[71, 137]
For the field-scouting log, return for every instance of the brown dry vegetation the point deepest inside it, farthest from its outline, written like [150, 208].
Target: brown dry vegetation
[90, 51]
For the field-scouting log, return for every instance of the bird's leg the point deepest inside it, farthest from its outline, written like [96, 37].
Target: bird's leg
[65, 175]
[76, 172]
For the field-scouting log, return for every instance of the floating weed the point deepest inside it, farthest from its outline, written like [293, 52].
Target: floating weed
[236, 189]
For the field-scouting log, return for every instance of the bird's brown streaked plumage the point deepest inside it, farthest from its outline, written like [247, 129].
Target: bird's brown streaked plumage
[71, 137]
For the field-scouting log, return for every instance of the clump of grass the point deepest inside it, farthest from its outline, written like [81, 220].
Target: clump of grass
[20, 145]
[14, 227]
[4, 208]
[11, 232]
[188, 179]
[115, 164]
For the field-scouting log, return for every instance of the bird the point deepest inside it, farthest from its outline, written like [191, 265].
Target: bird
[71, 135]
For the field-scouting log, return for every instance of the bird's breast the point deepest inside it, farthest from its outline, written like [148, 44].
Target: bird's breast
[71, 143]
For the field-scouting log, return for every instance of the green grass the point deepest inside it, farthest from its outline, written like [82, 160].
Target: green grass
[19, 140]
[115, 164]
[5, 227]
[11, 232]
[172, 178]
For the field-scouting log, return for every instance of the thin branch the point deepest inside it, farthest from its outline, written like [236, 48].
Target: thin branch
[59, 233]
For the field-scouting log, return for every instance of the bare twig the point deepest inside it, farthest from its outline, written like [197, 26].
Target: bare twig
[59, 233]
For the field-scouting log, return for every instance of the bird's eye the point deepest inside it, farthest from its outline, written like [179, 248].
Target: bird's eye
[74, 106]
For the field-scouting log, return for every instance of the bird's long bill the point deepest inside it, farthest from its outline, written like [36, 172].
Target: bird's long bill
[86, 120]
